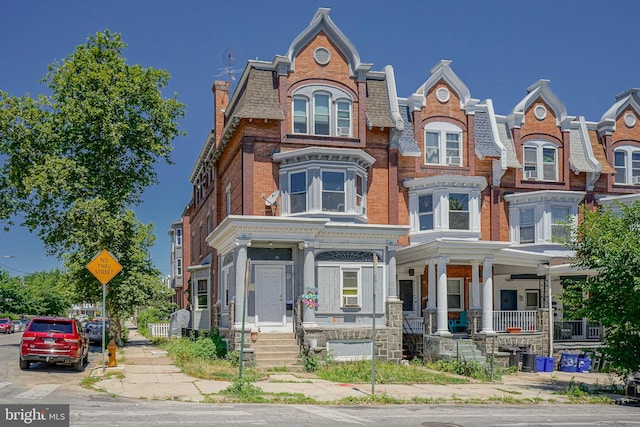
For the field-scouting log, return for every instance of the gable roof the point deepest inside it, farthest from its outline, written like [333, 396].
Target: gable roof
[539, 89]
[627, 98]
[442, 71]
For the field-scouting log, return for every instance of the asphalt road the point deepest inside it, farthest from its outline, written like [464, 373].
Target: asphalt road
[44, 384]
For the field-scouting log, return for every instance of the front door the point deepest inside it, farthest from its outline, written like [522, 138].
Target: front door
[508, 299]
[270, 295]
[407, 297]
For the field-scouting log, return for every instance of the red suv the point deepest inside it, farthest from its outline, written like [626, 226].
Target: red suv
[54, 340]
[6, 325]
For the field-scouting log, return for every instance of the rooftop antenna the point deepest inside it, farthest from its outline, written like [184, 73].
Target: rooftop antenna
[229, 57]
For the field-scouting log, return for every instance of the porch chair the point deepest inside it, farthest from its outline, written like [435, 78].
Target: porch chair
[454, 324]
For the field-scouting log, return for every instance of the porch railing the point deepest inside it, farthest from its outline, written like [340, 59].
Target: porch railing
[577, 330]
[412, 325]
[525, 320]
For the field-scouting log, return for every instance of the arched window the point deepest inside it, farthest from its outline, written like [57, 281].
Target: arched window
[322, 110]
[627, 164]
[540, 161]
[442, 144]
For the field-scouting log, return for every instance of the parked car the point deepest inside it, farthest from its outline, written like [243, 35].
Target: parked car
[57, 340]
[94, 331]
[18, 326]
[6, 325]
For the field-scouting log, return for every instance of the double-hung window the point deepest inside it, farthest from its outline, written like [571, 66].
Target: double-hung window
[527, 225]
[322, 110]
[454, 294]
[627, 165]
[350, 287]
[298, 192]
[458, 211]
[360, 194]
[178, 267]
[202, 296]
[540, 161]
[442, 144]
[425, 212]
[333, 191]
[560, 230]
[178, 237]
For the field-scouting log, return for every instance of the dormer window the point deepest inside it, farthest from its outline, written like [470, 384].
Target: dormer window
[540, 161]
[442, 144]
[627, 164]
[323, 111]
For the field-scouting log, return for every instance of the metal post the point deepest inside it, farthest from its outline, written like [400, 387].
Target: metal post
[104, 305]
[244, 311]
[373, 329]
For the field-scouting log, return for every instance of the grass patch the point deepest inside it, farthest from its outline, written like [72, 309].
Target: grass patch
[386, 373]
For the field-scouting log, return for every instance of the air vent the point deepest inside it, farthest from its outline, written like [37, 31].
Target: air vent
[322, 55]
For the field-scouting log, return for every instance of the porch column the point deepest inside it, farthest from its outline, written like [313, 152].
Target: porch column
[309, 278]
[241, 267]
[487, 297]
[475, 285]
[443, 309]
[392, 281]
[431, 283]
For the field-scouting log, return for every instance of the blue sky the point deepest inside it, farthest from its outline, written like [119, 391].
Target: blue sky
[588, 49]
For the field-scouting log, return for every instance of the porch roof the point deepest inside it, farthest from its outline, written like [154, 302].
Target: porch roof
[322, 231]
[466, 251]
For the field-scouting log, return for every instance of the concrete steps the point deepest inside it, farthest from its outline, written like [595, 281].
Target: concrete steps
[465, 349]
[275, 350]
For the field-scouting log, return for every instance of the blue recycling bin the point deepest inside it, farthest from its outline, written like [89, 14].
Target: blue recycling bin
[569, 362]
[540, 363]
[549, 364]
[584, 363]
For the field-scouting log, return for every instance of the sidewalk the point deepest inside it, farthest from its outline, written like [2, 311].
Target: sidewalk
[147, 373]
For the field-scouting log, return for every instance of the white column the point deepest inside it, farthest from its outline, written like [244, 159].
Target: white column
[392, 281]
[309, 279]
[475, 285]
[443, 309]
[431, 283]
[241, 266]
[487, 297]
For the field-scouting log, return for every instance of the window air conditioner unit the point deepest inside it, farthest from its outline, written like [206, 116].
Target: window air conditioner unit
[350, 301]
[530, 174]
[453, 160]
[344, 131]
[636, 179]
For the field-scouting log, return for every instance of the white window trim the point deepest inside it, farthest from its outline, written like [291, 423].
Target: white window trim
[178, 267]
[335, 95]
[440, 187]
[539, 146]
[358, 271]
[197, 294]
[178, 236]
[629, 177]
[542, 203]
[442, 129]
[460, 281]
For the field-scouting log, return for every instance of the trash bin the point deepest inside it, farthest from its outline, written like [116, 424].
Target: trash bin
[529, 362]
[569, 362]
[584, 363]
[540, 363]
[549, 364]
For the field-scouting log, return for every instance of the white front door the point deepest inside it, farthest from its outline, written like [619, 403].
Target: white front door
[270, 295]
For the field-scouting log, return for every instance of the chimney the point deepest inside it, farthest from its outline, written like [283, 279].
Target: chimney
[220, 102]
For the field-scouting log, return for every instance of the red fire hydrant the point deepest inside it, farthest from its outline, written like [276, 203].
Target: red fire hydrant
[112, 347]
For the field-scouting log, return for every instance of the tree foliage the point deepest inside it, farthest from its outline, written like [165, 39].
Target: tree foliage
[608, 242]
[74, 163]
[43, 293]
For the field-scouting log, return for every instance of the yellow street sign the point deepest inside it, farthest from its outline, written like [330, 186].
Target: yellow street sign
[104, 267]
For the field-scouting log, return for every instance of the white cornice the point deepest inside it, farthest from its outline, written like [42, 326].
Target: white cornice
[329, 154]
[546, 196]
[478, 182]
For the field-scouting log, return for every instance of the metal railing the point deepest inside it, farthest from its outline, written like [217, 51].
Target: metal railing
[526, 320]
[569, 330]
[412, 325]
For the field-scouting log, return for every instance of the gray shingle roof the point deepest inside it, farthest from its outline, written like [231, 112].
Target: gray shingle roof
[407, 144]
[485, 140]
[578, 158]
[507, 141]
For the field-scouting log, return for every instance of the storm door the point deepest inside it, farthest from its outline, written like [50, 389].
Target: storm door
[270, 295]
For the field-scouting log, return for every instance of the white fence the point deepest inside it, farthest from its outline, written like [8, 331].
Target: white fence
[159, 330]
[412, 325]
[526, 320]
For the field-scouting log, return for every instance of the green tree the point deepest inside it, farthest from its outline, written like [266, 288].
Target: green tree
[77, 160]
[50, 293]
[608, 242]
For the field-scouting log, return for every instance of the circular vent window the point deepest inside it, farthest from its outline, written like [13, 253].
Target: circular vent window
[540, 112]
[630, 120]
[322, 55]
[443, 94]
